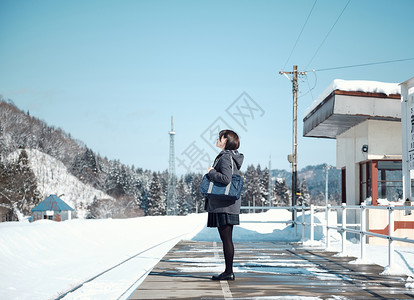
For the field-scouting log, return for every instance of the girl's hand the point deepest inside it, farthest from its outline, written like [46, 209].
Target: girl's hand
[209, 169]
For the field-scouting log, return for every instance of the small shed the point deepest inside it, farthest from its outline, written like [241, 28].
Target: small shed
[52, 208]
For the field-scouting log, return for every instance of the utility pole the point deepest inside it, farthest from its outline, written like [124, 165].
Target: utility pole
[326, 184]
[326, 198]
[270, 185]
[293, 158]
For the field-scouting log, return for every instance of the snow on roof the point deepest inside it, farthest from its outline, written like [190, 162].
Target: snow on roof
[54, 203]
[364, 86]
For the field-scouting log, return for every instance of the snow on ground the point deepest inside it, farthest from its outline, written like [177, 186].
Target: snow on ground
[365, 86]
[43, 259]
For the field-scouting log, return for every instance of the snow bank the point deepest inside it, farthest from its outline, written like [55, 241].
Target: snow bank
[356, 86]
[261, 227]
[39, 260]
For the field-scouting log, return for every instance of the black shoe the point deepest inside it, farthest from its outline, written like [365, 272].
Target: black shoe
[224, 276]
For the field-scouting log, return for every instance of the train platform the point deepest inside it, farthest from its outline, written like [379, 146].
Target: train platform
[267, 270]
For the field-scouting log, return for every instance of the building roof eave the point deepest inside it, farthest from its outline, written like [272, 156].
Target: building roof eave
[341, 110]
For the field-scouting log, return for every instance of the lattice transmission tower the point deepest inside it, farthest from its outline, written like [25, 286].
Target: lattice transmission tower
[172, 179]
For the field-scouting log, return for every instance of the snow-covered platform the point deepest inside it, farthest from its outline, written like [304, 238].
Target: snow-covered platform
[265, 269]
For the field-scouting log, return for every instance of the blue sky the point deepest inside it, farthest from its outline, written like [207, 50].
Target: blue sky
[112, 73]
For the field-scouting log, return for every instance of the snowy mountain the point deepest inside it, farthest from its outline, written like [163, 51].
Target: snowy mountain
[53, 178]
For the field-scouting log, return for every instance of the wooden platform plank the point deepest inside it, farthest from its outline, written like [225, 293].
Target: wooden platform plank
[266, 269]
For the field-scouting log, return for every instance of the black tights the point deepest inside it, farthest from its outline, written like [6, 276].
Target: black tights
[226, 235]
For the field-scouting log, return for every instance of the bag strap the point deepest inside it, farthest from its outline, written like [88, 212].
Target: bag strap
[216, 162]
[231, 158]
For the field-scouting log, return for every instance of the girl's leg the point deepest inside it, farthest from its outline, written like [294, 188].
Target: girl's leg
[226, 235]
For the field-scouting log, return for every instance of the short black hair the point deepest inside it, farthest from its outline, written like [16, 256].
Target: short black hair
[233, 141]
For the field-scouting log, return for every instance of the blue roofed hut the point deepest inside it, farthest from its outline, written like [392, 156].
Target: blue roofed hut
[52, 208]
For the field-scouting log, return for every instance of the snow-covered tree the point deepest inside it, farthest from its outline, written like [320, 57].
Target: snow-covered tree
[101, 209]
[264, 186]
[18, 186]
[85, 166]
[304, 197]
[282, 192]
[198, 202]
[183, 205]
[156, 198]
[127, 207]
[252, 192]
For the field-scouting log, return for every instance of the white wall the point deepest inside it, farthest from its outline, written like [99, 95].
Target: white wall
[384, 138]
[348, 148]
[384, 142]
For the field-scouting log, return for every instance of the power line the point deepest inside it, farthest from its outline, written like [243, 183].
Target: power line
[363, 65]
[310, 89]
[330, 30]
[303, 27]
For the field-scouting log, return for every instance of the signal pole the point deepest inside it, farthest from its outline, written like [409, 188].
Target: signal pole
[293, 158]
[171, 196]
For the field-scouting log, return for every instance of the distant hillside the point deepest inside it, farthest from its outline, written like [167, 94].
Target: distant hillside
[53, 178]
[315, 177]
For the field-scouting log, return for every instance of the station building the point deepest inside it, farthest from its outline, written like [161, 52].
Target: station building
[365, 119]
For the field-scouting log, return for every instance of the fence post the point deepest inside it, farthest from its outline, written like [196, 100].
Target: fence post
[295, 214]
[303, 221]
[343, 233]
[254, 205]
[312, 234]
[362, 237]
[390, 233]
[327, 227]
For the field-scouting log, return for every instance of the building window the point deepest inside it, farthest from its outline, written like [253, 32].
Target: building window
[390, 180]
[381, 179]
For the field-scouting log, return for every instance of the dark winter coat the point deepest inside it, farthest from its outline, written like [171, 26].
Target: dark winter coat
[222, 173]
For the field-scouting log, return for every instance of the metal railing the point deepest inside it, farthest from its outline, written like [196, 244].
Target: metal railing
[344, 228]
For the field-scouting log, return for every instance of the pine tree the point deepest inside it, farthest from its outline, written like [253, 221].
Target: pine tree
[5, 201]
[86, 167]
[18, 186]
[282, 192]
[28, 195]
[304, 197]
[182, 198]
[264, 187]
[156, 200]
[197, 199]
[252, 194]
[115, 185]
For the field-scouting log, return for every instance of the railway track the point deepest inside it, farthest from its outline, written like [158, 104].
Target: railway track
[141, 254]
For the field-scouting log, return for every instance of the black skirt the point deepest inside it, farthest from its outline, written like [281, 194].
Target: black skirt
[221, 219]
